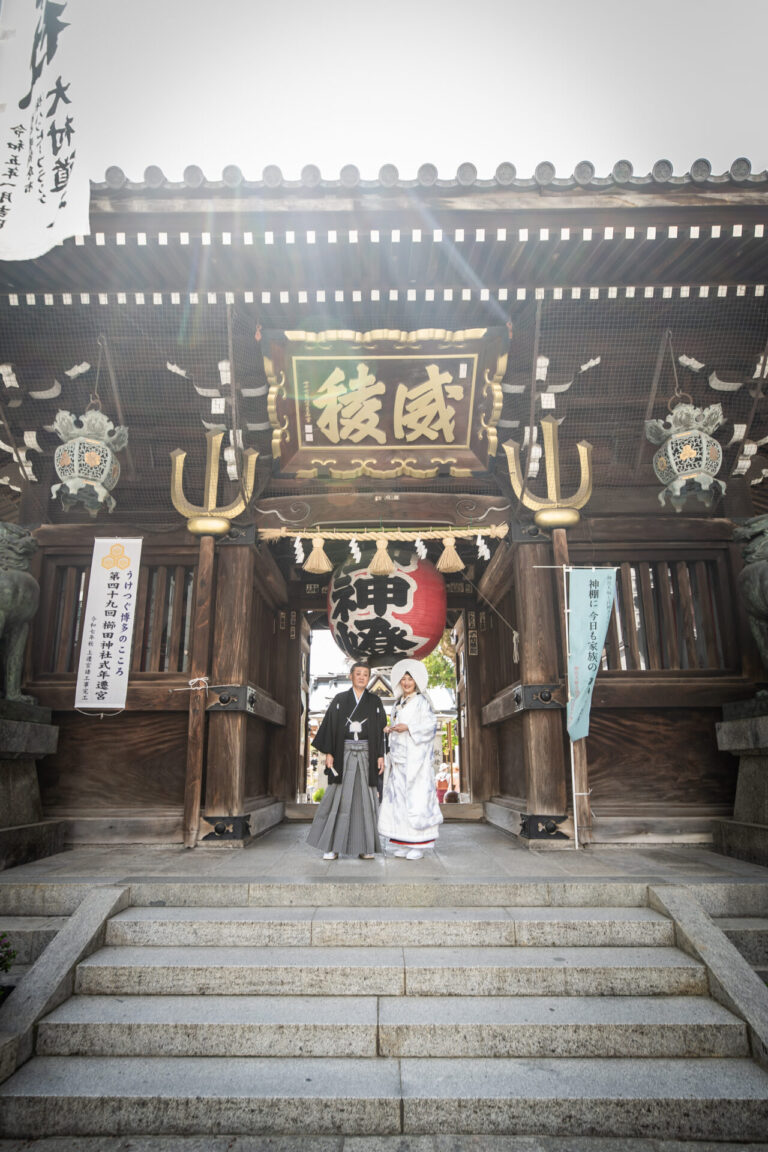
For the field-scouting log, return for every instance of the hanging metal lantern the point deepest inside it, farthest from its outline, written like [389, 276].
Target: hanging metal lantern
[386, 617]
[86, 462]
[689, 458]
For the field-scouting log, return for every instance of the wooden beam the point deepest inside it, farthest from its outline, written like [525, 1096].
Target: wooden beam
[266, 707]
[650, 529]
[270, 579]
[498, 576]
[345, 509]
[676, 689]
[146, 693]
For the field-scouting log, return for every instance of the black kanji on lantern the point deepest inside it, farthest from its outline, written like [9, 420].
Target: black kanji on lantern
[383, 591]
[375, 637]
[343, 599]
[378, 592]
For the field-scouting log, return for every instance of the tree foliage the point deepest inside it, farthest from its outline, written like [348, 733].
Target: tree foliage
[441, 670]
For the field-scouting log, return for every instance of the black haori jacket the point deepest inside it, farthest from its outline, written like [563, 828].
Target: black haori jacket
[333, 731]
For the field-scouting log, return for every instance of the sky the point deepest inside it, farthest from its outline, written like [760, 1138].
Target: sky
[255, 82]
[325, 656]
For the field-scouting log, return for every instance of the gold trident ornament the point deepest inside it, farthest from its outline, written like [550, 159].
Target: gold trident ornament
[210, 520]
[554, 511]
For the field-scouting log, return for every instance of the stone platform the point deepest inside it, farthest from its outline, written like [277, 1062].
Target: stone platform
[480, 991]
[463, 853]
[26, 734]
[744, 733]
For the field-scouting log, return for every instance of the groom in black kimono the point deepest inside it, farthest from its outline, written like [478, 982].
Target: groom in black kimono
[353, 715]
[352, 738]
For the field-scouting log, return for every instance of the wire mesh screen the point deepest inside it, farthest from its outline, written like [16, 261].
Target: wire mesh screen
[170, 371]
[602, 367]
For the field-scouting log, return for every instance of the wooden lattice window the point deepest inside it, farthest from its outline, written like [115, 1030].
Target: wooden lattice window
[668, 615]
[163, 621]
[69, 597]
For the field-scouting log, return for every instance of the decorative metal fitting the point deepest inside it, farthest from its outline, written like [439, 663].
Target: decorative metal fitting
[208, 519]
[555, 511]
[534, 827]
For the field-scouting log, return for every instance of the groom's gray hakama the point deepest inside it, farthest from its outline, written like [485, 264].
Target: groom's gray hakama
[347, 819]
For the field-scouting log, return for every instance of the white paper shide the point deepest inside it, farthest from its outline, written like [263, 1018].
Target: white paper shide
[105, 650]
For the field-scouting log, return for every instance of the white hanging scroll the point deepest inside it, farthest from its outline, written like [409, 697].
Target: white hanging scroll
[44, 189]
[105, 650]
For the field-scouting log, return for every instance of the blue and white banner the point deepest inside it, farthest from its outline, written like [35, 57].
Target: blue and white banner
[105, 647]
[44, 189]
[590, 601]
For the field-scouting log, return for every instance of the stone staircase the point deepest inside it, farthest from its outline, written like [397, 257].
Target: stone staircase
[446, 1008]
[749, 934]
[28, 936]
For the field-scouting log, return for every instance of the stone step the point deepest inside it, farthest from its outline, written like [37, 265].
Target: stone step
[383, 927]
[211, 1026]
[338, 1026]
[562, 1026]
[41, 897]
[373, 891]
[30, 935]
[750, 935]
[376, 971]
[690, 1099]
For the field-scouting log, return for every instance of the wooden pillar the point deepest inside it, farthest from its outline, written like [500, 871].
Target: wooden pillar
[582, 811]
[542, 731]
[483, 744]
[225, 777]
[198, 667]
[292, 644]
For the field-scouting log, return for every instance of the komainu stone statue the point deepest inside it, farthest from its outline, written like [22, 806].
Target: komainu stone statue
[19, 597]
[753, 580]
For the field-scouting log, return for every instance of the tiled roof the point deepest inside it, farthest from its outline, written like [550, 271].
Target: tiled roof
[622, 175]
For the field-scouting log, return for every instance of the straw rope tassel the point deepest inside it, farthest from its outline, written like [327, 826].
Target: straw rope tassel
[318, 561]
[449, 561]
[382, 563]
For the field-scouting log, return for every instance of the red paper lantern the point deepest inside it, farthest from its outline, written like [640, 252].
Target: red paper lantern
[385, 618]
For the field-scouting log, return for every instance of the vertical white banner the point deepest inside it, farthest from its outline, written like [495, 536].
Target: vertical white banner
[105, 649]
[44, 189]
[590, 602]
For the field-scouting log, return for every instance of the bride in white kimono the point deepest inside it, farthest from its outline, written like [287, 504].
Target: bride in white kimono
[409, 815]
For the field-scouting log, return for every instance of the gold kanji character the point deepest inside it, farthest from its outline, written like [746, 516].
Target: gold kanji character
[350, 413]
[422, 410]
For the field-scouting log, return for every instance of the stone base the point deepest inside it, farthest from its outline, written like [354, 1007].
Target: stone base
[744, 732]
[744, 841]
[26, 733]
[29, 842]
